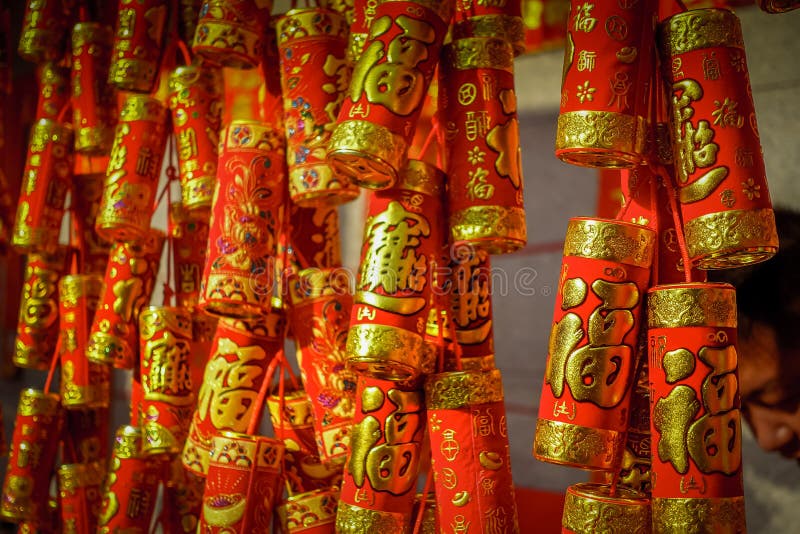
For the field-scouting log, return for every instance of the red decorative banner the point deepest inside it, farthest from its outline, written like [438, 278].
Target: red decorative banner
[314, 78]
[583, 410]
[402, 251]
[695, 408]
[484, 169]
[608, 65]
[719, 168]
[195, 99]
[133, 170]
[137, 45]
[470, 455]
[387, 91]
[127, 287]
[380, 477]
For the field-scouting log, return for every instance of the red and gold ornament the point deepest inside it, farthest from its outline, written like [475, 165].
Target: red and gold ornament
[314, 237]
[32, 459]
[380, 476]
[387, 90]
[44, 30]
[470, 454]
[403, 241]
[168, 401]
[608, 65]
[37, 328]
[243, 484]
[590, 508]
[136, 55]
[127, 288]
[195, 100]
[47, 179]
[237, 366]
[313, 512]
[133, 170]
[93, 102]
[502, 20]
[314, 78]
[319, 315]
[695, 408]
[232, 32]
[583, 411]
[83, 384]
[54, 90]
[245, 222]
[471, 303]
[79, 493]
[87, 193]
[189, 241]
[479, 106]
[719, 168]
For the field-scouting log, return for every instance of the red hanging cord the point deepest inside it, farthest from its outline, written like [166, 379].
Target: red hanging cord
[252, 427]
[184, 50]
[52, 371]
[422, 503]
[171, 177]
[656, 223]
[676, 218]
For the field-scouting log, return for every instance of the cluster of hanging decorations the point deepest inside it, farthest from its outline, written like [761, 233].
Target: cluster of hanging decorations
[267, 124]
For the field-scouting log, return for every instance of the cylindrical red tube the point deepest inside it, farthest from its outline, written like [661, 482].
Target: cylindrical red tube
[47, 179]
[608, 64]
[387, 91]
[380, 477]
[93, 103]
[314, 76]
[79, 493]
[133, 170]
[189, 240]
[695, 408]
[131, 486]
[592, 350]
[231, 32]
[591, 508]
[37, 328]
[165, 347]
[83, 384]
[87, 193]
[32, 459]
[236, 368]
[719, 168]
[403, 240]
[470, 454]
[501, 20]
[245, 221]
[127, 287]
[137, 44]
[319, 316]
[196, 103]
[484, 193]
[54, 90]
[44, 30]
[243, 484]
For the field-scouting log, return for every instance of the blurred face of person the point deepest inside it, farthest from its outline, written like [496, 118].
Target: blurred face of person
[769, 382]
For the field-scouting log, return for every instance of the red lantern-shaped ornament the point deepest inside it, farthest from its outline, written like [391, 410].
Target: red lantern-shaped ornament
[695, 408]
[592, 350]
[189, 240]
[314, 77]
[403, 240]
[83, 384]
[168, 401]
[93, 103]
[484, 193]
[127, 287]
[719, 169]
[196, 103]
[608, 64]
[47, 179]
[319, 315]
[37, 328]
[247, 216]
[131, 486]
[243, 484]
[470, 451]
[133, 170]
[387, 91]
[240, 355]
[32, 459]
[380, 476]
[231, 32]
[137, 45]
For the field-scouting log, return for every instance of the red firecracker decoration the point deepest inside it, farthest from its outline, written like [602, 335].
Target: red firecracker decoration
[231, 32]
[137, 44]
[591, 508]
[189, 241]
[44, 30]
